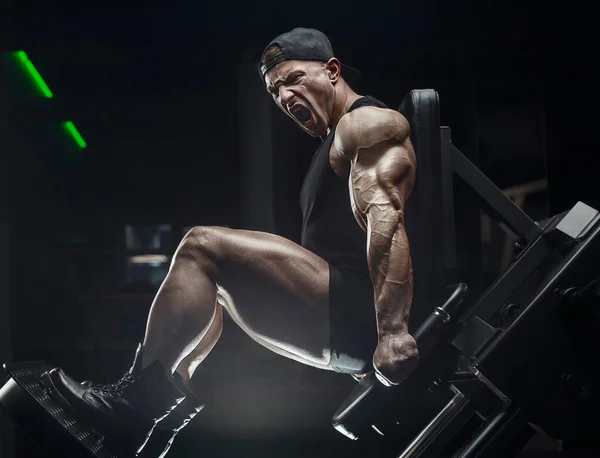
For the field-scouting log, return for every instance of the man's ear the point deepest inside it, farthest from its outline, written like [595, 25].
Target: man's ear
[334, 69]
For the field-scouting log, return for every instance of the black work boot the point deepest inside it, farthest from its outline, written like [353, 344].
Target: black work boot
[124, 411]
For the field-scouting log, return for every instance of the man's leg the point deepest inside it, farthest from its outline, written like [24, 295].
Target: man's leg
[274, 289]
[188, 365]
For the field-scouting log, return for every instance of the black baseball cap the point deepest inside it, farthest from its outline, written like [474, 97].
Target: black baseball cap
[305, 44]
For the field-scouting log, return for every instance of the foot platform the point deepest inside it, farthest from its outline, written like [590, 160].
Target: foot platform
[28, 402]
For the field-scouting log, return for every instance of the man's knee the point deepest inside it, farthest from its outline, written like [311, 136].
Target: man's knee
[201, 244]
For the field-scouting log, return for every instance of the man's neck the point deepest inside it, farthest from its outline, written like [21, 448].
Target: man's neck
[344, 100]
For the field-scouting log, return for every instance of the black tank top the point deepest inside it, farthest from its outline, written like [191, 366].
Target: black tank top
[329, 228]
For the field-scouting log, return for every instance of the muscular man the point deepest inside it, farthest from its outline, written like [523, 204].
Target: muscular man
[339, 301]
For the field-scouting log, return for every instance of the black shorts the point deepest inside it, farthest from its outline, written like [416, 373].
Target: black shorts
[353, 324]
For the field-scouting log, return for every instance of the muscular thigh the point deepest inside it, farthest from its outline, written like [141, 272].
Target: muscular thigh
[275, 289]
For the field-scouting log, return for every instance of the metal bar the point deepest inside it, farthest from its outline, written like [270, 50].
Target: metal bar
[432, 431]
[486, 430]
[449, 229]
[502, 435]
[497, 205]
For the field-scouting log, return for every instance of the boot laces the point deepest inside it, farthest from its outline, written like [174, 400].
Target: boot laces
[115, 388]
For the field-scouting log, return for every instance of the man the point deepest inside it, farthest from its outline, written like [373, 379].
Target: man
[339, 301]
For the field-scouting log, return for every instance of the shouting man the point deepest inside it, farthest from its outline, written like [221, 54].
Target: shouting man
[338, 301]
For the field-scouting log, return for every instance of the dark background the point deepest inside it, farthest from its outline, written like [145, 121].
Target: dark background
[180, 132]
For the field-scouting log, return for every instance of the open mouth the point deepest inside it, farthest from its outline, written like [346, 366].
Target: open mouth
[301, 114]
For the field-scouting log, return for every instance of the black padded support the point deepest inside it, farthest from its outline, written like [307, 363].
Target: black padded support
[428, 212]
[28, 403]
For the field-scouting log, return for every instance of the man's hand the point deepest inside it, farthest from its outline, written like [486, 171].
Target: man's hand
[396, 357]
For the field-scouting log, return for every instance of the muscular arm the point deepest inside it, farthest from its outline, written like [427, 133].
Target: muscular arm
[377, 143]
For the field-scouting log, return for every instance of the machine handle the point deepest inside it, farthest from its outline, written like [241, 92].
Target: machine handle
[371, 394]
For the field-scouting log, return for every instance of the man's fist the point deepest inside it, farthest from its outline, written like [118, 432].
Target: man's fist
[396, 356]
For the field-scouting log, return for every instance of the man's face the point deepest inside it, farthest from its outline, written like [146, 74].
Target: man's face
[304, 90]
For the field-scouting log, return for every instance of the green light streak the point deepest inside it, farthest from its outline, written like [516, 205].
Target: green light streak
[46, 92]
[71, 129]
[35, 75]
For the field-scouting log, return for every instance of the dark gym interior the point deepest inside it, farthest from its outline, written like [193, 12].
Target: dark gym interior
[173, 125]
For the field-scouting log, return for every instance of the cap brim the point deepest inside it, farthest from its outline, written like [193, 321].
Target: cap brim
[351, 75]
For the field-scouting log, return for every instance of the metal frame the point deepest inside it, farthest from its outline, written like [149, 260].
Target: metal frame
[505, 428]
[484, 416]
[493, 201]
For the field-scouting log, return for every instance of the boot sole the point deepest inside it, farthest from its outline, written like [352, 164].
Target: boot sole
[52, 427]
[114, 432]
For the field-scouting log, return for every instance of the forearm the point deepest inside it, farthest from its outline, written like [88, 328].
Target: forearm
[391, 272]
